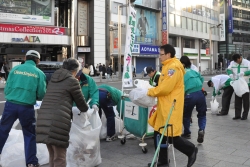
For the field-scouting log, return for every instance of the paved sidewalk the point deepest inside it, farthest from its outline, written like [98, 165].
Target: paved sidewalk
[226, 144]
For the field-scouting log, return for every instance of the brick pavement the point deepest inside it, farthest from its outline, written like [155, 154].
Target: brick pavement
[227, 144]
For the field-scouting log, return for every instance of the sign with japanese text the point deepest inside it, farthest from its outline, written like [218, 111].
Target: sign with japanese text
[222, 29]
[164, 22]
[230, 16]
[28, 29]
[127, 79]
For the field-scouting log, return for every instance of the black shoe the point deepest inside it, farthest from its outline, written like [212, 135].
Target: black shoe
[186, 136]
[220, 114]
[235, 118]
[200, 138]
[243, 118]
[192, 158]
[165, 164]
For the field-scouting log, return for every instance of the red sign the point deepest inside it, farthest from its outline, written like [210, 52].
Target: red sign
[116, 43]
[207, 51]
[16, 28]
[164, 37]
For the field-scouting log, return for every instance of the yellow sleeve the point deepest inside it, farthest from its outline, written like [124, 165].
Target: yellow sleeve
[167, 85]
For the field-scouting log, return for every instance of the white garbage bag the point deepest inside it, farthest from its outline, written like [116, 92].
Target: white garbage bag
[84, 147]
[139, 97]
[240, 86]
[142, 84]
[118, 123]
[214, 106]
[13, 151]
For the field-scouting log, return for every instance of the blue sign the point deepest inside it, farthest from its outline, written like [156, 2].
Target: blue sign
[164, 15]
[149, 49]
[146, 28]
[230, 17]
[136, 48]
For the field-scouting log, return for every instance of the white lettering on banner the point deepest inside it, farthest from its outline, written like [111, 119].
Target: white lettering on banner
[127, 80]
[222, 29]
[149, 49]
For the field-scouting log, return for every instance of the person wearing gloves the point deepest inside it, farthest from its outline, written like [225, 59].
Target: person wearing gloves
[222, 82]
[55, 114]
[89, 89]
[240, 67]
[170, 88]
[194, 97]
[109, 97]
[153, 74]
[25, 85]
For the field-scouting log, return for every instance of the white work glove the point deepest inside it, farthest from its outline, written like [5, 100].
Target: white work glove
[95, 107]
[231, 76]
[241, 74]
[213, 98]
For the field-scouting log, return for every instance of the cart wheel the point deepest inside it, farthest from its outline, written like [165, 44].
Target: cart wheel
[144, 150]
[123, 141]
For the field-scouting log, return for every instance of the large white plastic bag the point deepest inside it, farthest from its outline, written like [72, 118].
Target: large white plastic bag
[118, 123]
[240, 86]
[84, 147]
[214, 106]
[142, 84]
[139, 97]
[13, 151]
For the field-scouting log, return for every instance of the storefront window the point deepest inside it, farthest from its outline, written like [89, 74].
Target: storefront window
[171, 19]
[177, 21]
[189, 43]
[189, 21]
[195, 25]
[184, 22]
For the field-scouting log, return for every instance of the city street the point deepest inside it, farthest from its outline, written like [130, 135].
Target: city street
[226, 144]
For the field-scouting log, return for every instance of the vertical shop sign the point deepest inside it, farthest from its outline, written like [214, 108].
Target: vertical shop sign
[164, 22]
[127, 80]
[230, 16]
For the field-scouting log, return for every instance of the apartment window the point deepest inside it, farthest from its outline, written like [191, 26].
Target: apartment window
[171, 3]
[171, 19]
[189, 23]
[177, 21]
[189, 43]
[204, 28]
[199, 26]
[195, 25]
[184, 22]
[172, 41]
[208, 27]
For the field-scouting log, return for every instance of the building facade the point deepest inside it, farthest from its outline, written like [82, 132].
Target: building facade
[147, 36]
[237, 31]
[190, 23]
[49, 27]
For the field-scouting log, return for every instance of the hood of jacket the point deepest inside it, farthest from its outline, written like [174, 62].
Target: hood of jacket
[60, 75]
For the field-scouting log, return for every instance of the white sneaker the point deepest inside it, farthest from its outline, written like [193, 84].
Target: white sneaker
[114, 137]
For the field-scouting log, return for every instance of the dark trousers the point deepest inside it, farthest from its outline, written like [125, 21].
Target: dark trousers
[26, 116]
[106, 104]
[226, 99]
[181, 144]
[191, 100]
[238, 105]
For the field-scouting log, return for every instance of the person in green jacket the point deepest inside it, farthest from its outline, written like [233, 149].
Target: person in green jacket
[25, 84]
[194, 96]
[109, 97]
[89, 89]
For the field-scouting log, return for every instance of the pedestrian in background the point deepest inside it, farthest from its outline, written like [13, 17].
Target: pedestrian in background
[153, 74]
[170, 87]
[109, 97]
[25, 85]
[219, 83]
[109, 72]
[240, 67]
[55, 114]
[194, 97]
